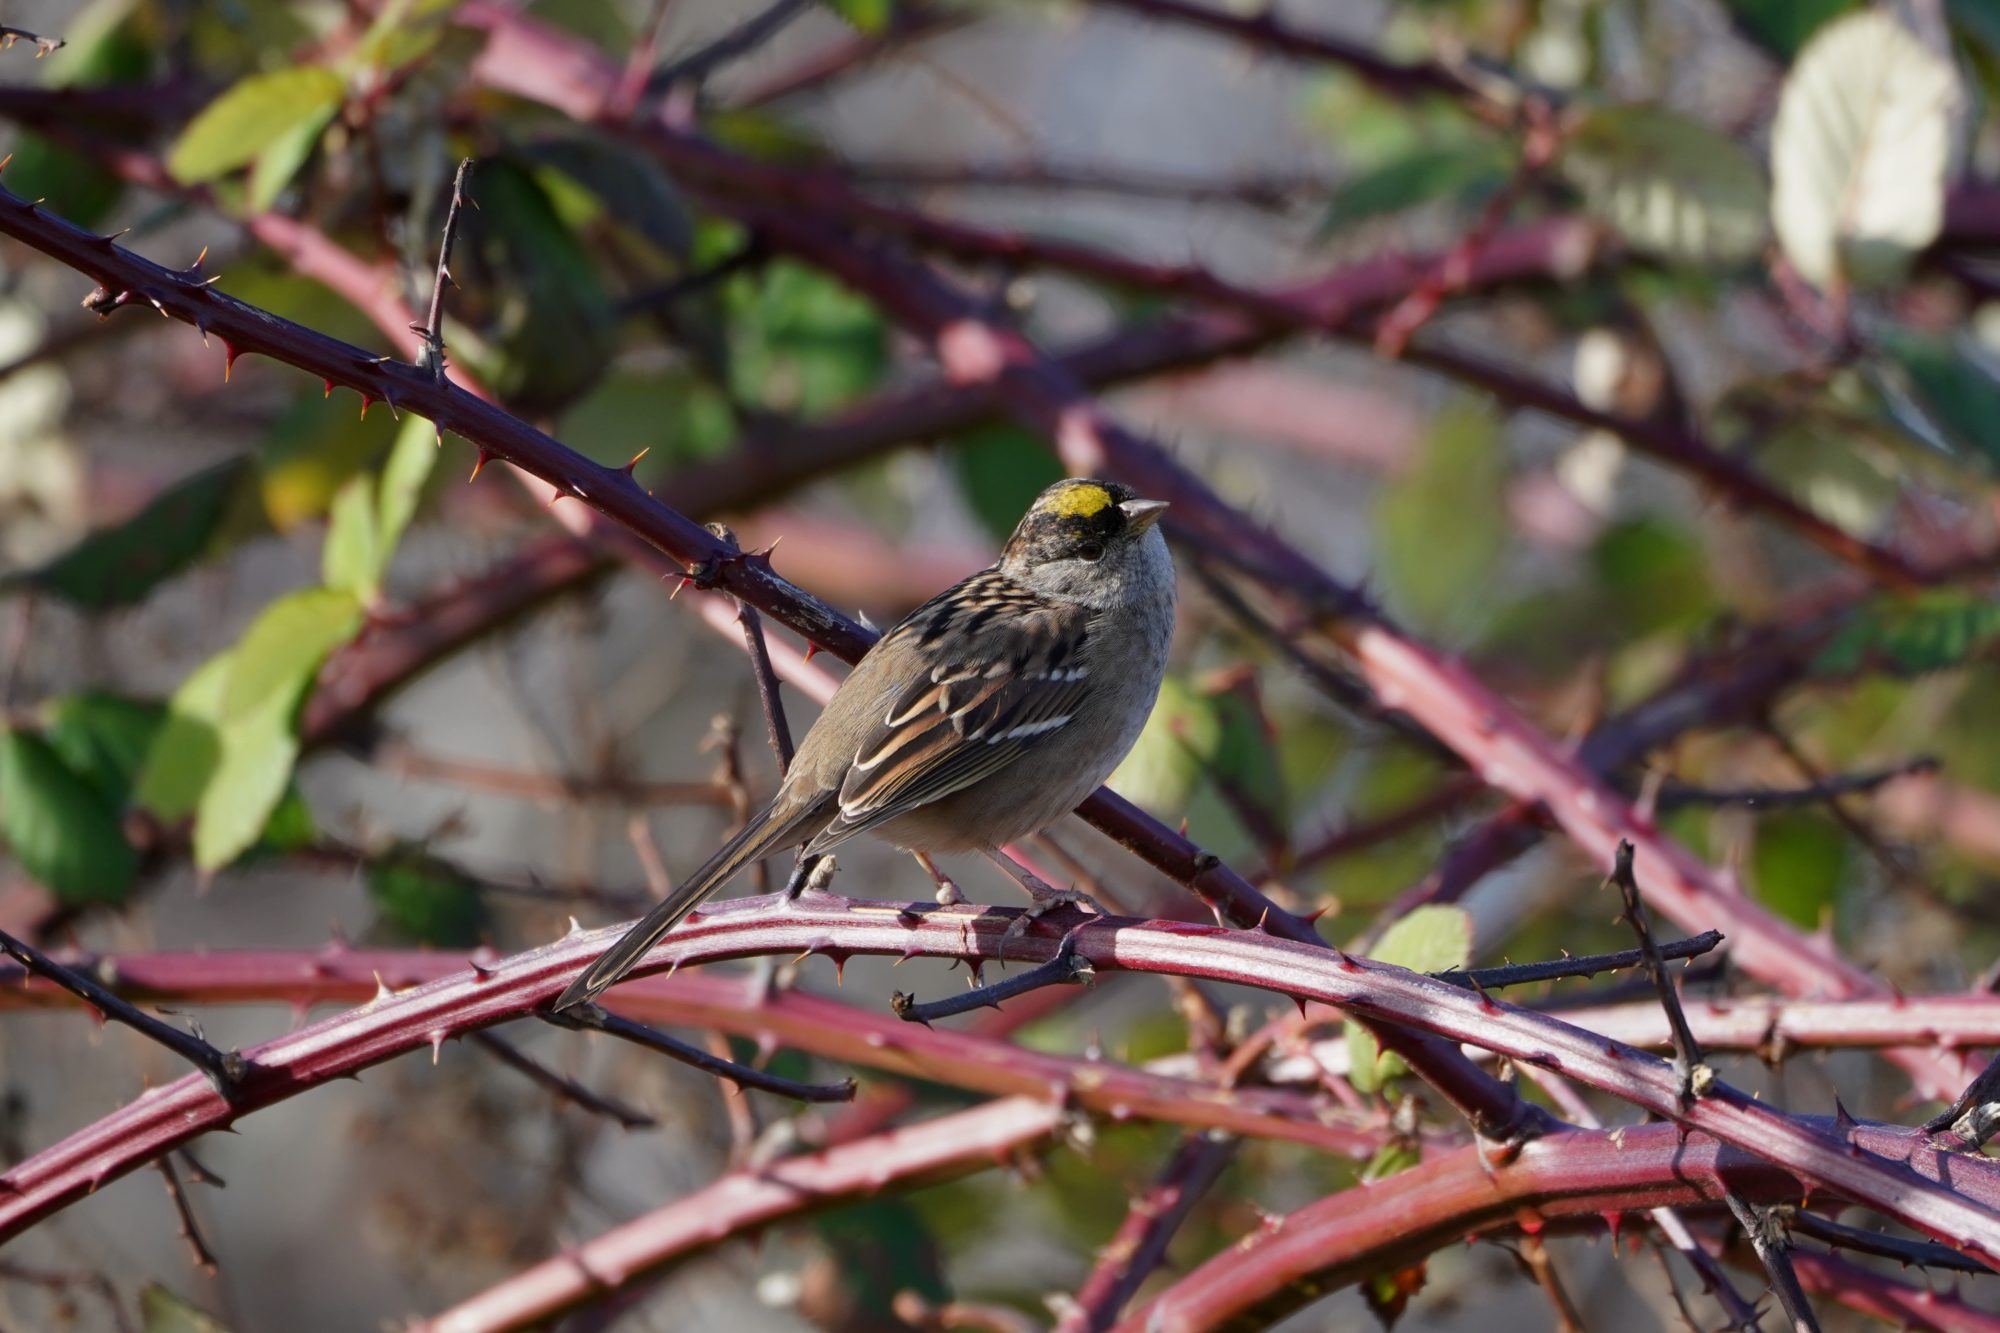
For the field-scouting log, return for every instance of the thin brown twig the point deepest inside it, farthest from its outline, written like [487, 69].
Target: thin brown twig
[567, 1088]
[767, 685]
[431, 331]
[400, 759]
[1817, 791]
[190, 1230]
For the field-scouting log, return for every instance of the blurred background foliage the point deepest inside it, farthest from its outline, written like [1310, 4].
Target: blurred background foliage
[1782, 276]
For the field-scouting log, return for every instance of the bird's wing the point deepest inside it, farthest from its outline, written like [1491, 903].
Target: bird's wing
[994, 691]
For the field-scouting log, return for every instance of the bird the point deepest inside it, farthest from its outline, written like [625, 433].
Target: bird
[985, 715]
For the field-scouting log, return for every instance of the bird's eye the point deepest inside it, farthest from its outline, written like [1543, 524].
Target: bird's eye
[1091, 551]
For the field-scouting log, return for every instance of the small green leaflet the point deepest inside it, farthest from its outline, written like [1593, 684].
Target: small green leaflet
[1910, 636]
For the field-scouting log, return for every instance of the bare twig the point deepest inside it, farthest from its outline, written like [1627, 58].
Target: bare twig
[1589, 965]
[432, 329]
[1922, 1253]
[1695, 1077]
[516, 1059]
[399, 758]
[1767, 1237]
[224, 1070]
[594, 1018]
[1063, 969]
[190, 1230]
[767, 685]
[1673, 795]
[738, 42]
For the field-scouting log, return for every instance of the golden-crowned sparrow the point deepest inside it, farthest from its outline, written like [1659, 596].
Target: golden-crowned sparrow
[990, 712]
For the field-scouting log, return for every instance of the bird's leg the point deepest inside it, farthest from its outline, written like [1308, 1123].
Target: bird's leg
[947, 892]
[1047, 897]
[810, 874]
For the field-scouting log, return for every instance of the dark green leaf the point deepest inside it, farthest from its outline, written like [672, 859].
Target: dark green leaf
[59, 827]
[1462, 173]
[531, 313]
[1957, 395]
[1782, 26]
[74, 186]
[250, 117]
[1909, 636]
[426, 902]
[1001, 469]
[629, 187]
[1655, 575]
[103, 738]
[118, 566]
[1798, 865]
[672, 412]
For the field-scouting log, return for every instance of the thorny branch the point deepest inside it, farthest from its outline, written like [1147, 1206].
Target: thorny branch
[223, 1069]
[432, 329]
[593, 1018]
[1696, 1076]
[190, 1230]
[1767, 1237]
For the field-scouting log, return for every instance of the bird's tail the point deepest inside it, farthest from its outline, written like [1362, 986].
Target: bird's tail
[759, 838]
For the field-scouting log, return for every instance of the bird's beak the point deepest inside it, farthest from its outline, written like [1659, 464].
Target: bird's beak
[1142, 514]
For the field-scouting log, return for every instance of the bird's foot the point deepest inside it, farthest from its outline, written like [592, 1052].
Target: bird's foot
[1045, 898]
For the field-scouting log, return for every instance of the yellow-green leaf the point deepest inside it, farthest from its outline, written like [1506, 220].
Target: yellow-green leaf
[254, 114]
[1433, 938]
[352, 558]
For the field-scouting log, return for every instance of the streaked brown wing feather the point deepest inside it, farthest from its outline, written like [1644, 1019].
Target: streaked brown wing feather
[992, 694]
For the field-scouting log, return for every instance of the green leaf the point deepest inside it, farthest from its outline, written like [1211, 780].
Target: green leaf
[188, 747]
[1655, 576]
[252, 116]
[103, 738]
[867, 15]
[1000, 470]
[1783, 26]
[160, 1311]
[311, 451]
[1440, 528]
[1461, 173]
[672, 412]
[627, 186]
[1163, 768]
[119, 565]
[1670, 185]
[1959, 397]
[1432, 938]
[1860, 151]
[801, 343]
[279, 162]
[59, 827]
[258, 755]
[403, 477]
[1397, 1155]
[531, 313]
[1931, 631]
[75, 187]
[1798, 865]
[425, 901]
[352, 558]
[228, 747]
[279, 654]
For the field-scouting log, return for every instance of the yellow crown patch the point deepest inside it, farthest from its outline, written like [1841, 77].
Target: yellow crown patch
[1078, 501]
